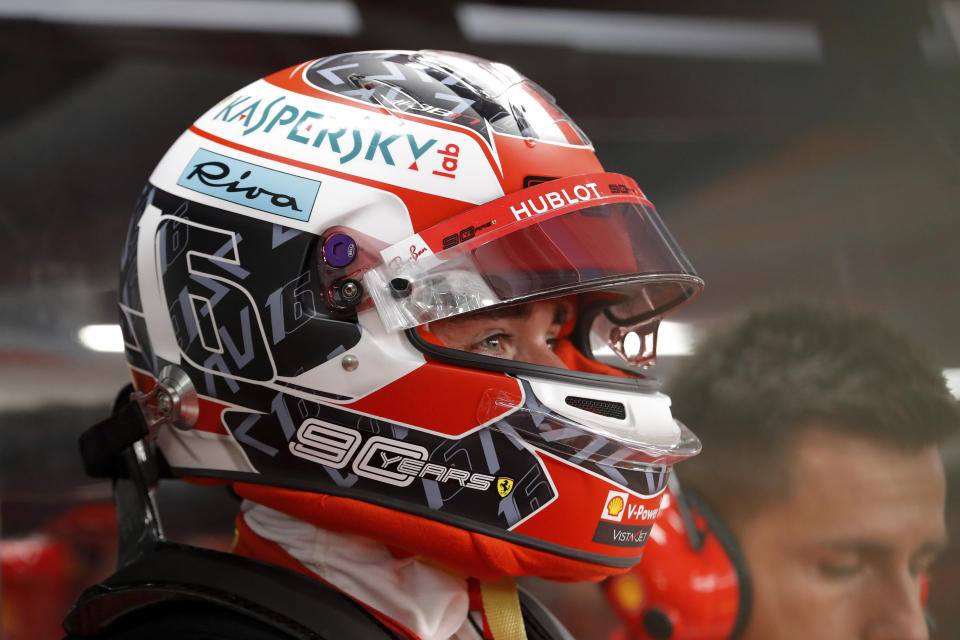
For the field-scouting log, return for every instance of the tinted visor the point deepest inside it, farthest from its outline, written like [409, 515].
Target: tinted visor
[606, 247]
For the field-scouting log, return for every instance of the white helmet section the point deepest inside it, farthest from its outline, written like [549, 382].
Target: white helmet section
[203, 450]
[646, 423]
[377, 145]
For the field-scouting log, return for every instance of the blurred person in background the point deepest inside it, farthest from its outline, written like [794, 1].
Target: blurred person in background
[817, 506]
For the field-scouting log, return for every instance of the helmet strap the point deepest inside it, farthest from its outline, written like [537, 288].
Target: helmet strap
[501, 606]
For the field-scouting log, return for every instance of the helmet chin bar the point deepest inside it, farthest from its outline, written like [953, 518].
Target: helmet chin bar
[616, 428]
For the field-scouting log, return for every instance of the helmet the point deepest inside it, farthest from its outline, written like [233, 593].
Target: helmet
[286, 280]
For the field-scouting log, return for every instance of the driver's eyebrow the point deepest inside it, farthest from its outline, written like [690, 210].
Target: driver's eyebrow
[871, 547]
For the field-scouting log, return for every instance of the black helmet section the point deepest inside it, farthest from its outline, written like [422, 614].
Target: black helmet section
[318, 447]
[231, 320]
[432, 84]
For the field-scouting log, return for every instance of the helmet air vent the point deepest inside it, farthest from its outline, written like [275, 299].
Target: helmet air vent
[604, 408]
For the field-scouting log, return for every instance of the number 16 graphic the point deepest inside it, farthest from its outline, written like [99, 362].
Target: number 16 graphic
[216, 322]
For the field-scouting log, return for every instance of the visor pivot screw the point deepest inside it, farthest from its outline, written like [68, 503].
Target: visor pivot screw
[348, 293]
[172, 401]
[339, 250]
[164, 404]
[349, 363]
[400, 288]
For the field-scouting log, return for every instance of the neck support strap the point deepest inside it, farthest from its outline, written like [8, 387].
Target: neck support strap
[501, 606]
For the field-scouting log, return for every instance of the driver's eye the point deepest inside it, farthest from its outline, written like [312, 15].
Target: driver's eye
[492, 343]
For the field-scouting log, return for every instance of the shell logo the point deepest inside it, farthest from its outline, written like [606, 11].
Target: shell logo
[614, 506]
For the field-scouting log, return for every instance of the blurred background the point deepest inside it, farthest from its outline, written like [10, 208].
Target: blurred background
[795, 149]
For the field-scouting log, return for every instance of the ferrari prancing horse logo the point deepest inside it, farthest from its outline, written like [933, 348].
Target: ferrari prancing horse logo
[504, 486]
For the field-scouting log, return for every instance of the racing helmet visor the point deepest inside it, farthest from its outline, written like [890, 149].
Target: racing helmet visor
[543, 242]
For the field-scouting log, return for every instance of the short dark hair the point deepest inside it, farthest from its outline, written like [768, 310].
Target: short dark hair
[751, 389]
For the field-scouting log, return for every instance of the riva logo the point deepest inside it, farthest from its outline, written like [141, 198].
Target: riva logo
[382, 459]
[250, 185]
